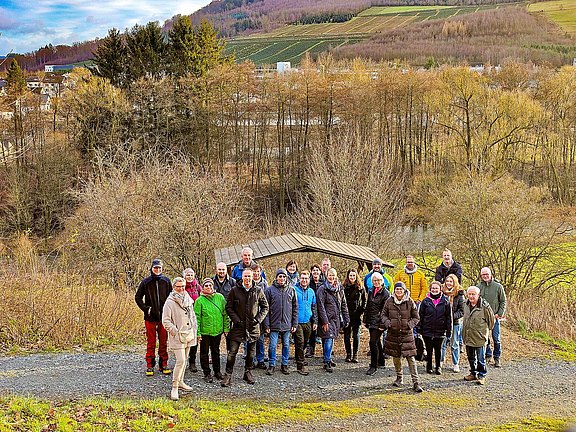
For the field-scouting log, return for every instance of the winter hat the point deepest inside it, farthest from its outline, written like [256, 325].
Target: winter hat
[281, 271]
[157, 262]
[400, 284]
[207, 280]
[377, 261]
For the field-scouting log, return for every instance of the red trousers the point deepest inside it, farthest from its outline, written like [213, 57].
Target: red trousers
[153, 329]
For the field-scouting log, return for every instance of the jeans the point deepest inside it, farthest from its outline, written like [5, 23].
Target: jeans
[454, 344]
[301, 337]
[260, 349]
[153, 329]
[497, 346]
[477, 360]
[327, 345]
[433, 345]
[352, 332]
[231, 359]
[212, 344]
[376, 353]
[285, 337]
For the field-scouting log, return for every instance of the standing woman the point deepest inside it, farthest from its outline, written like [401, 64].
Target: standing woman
[179, 320]
[210, 309]
[373, 320]
[315, 281]
[399, 317]
[356, 301]
[194, 290]
[292, 270]
[435, 325]
[332, 313]
[455, 293]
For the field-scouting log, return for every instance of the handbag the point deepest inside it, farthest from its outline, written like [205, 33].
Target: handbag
[186, 336]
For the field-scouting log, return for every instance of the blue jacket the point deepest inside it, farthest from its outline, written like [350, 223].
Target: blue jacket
[283, 308]
[239, 268]
[388, 281]
[306, 305]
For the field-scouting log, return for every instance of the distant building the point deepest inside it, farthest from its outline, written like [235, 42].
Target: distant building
[282, 67]
[55, 68]
[50, 84]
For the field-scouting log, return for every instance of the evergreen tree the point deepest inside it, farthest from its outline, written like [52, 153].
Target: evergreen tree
[210, 49]
[15, 81]
[146, 52]
[110, 58]
[183, 48]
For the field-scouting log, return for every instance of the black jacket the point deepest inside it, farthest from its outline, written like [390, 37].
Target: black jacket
[332, 310]
[356, 301]
[435, 321]
[246, 310]
[224, 287]
[374, 307]
[458, 308]
[151, 296]
[282, 308]
[442, 271]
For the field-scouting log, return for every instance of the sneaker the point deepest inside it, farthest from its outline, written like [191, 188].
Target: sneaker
[261, 365]
[284, 369]
[218, 376]
[354, 358]
[149, 372]
[438, 371]
[348, 358]
[270, 370]
[481, 381]
[303, 371]
[184, 386]
[470, 377]
[328, 367]
[430, 371]
[165, 370]
[208, 379]
[417, 388]
[399, 381]
[332, 363]
[248, 377]
[497, 363]
[456, 368]
[371, 371]
[226, 380]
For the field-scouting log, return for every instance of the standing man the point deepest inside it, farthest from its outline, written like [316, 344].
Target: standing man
[307, 319]
[246, 307]
[414, 280]
[247, 256]
[150, 298]
[326, 265]
[377, 268]
[222, 282]
[492, 291]
[478, 321]
[448, 266]
[261, 283]
[282, 319]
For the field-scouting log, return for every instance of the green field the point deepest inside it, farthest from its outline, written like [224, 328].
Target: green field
[562, 12]
[289, 43]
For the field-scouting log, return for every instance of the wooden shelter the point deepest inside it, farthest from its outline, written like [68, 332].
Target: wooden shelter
[295, 242]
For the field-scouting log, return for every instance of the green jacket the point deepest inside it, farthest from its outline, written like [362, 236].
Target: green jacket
[494, 294]
[478, 321]
[211, 315]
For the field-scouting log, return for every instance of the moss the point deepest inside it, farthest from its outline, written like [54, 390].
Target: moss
[565, 350]
[530, 424]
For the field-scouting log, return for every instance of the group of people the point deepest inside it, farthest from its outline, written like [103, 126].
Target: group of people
[306, 307]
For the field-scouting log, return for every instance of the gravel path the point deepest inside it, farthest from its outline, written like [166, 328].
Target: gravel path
[524, 387]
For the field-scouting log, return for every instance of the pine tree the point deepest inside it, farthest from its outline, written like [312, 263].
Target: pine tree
[210, 49]
[15, 81]
[110, 58]
[146, 52]
[183, 48]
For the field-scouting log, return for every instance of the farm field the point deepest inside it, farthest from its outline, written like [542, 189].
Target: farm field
[289, 43]
[562, 12]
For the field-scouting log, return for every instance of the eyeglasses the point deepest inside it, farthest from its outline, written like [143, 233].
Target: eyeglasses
[281, 276]
[179, 286]
[484, 274]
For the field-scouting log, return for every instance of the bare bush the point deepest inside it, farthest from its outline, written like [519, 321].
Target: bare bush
[354, 193]
[499, 223]
[146, 208]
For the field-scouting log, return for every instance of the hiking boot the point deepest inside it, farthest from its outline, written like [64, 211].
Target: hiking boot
[302, 370]
[218, 376]
[328, 367]
[193, 368]
[226, 380]
[284, 369]
[208, 379]
[399, 381]
[497, 363]
[354, 358]
[174, 393]
[470, 377]
[348, 358]
[165, 370]
[248, 377]
[149, 372]
[417, 388]
[481, 381]
[332, 363]
[456, 368]
[270, 370]
[438, 371]
[261, 365]
[371, 371]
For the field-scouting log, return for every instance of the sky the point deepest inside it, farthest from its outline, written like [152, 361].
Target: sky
[27, 25]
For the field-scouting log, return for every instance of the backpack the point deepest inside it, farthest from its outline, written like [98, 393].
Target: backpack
[420, 348]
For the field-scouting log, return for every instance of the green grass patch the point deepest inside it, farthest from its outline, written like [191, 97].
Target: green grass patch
[426, 400]
[531, 424]
[562, 12]
[563, 349]
[96, 414]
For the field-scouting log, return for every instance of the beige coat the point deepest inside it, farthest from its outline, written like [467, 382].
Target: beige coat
[177, 316]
